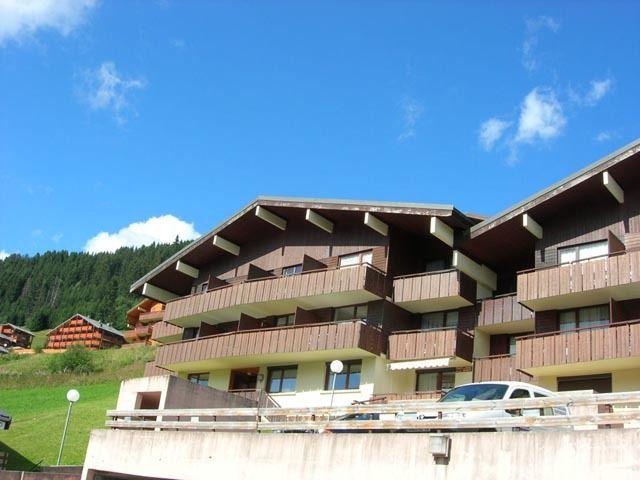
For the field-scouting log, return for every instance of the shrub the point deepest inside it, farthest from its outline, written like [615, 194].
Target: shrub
[75, 359]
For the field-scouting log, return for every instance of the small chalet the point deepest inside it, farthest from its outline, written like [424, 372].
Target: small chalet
[141, 320]
[85, 331]
[18, 336]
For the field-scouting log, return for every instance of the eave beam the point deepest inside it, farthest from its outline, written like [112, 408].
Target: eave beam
[376, 224]
[158, 294]
[226, 245]
[187, 269]
[441, 231]
[319, 221]
[480, 273]
[532, 226]
[271, 218]
[610, 184]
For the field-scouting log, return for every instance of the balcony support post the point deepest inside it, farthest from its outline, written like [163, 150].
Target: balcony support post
[187, 269]
[157, 293]
[226, 245]
[376, 224]
[319, 221]
[441, 231]
[610, 184]
[271, 218]
[532, 226]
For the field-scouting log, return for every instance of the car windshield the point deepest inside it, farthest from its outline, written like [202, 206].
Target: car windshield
[482, 391]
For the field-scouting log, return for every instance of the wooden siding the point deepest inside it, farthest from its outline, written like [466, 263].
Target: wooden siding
[148, 317]
[498, 367]
[19, 337]
[164, 329]
[151, 370]
[582, 345]
[434, 285]
[77, 331]
[425, 344]
[502, 309]
[296, 338]
[307, 284]
[583, 276]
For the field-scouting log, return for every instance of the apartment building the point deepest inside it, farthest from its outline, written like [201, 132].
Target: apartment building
[412, 298]
[14, 336]
[145, 318]
[85, 331]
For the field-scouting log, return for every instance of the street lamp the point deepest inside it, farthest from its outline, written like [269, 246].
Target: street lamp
[73, 396]
[336, 367]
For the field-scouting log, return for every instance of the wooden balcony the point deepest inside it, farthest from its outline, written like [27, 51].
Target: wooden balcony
[434, 291]
[354, 339]
[498, 367]
[164, 332]
[427, 344]
[280, 295]
[151, 369]
[570, 352]
[582, 283]
[503, 314]
[148, 317]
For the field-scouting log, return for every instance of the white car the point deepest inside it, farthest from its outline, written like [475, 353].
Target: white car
[494, 391]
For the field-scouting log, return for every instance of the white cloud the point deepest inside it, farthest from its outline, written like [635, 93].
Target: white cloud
[597, 90]
[106, 89]
[57, 237]
[163, 229]
[412, 110]
[4, 254]
[534, 27]
[541, 117]
[491, 131]
[20, 19]
[604, 136]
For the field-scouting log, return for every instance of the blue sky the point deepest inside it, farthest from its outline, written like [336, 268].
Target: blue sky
[114, 113]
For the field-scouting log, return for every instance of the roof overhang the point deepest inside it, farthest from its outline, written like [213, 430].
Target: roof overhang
[270, 214]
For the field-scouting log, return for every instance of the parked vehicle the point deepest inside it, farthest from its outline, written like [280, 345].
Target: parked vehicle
[494, 391]
[5, 421]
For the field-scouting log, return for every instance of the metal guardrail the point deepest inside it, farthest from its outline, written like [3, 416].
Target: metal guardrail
[324, 418]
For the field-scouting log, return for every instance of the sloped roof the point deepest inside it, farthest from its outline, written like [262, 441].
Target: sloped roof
[557, 188]
[22, 329]
[381, 207]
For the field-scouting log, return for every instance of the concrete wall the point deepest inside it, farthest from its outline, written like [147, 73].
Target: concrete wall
[597, 454]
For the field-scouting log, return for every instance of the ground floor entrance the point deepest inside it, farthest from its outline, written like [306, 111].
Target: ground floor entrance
[600, 383]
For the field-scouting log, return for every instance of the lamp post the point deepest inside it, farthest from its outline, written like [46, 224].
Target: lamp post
[336, 367]
[73, 396]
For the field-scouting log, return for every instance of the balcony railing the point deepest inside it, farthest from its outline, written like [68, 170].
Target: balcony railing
[293, 339]
[272, 295]
[432, 291]
[146, 317]
[425, 344]
[609, 342]
[162, 330]
[498, 367]
[501, 310]
[545, 288]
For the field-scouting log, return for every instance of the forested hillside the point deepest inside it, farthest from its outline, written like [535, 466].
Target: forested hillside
[42, 291]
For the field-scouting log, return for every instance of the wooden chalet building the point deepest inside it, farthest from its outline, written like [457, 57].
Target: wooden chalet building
[143, 319]
[413, 298]
[81, 330]
[15, 336]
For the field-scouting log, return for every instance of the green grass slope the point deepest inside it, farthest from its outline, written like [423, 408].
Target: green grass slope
[36, 399]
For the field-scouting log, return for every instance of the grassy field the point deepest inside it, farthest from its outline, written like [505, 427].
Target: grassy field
[36, 399]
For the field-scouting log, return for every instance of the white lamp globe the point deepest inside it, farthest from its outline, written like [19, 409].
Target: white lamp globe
[336, 366]
[73, 395]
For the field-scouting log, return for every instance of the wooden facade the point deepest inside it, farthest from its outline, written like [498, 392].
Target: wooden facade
[617, 341]
[272, 295]
[426, 344]
[615, 275]
[141, 321]
[501, 310]
[81, 330]
[293, 339]
[163, 332]
[433, 291]
[498, 367]
[19, 336]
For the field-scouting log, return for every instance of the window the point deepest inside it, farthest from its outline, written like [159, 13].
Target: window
[355, 259]
[512, 345]
[282, 379]
[204, 286]
[189, 333]
[291, 270]
[285, 320]
[434, 381]
[353, 312]
[520, 393]
[434, 320]
[435, 265]
[584, 318]
[348, 379]
[199, 378]
[583, 252]
[476, 391]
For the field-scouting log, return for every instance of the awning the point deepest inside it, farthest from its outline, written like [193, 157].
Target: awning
[420, 364]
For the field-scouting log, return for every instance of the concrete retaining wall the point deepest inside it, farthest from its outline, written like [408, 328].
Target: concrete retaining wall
[186, 455]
